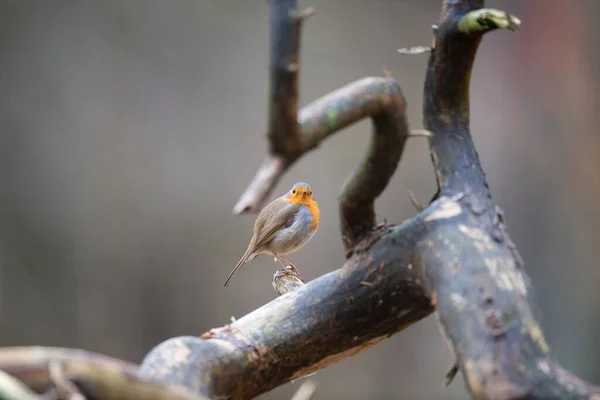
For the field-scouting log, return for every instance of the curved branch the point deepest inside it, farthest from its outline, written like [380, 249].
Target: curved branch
[291, 135]
[376, 97]
[95, 375]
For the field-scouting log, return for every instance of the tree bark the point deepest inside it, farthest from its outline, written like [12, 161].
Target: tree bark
[455, 257]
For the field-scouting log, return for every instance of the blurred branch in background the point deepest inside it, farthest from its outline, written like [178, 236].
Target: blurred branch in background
[455, 256]
[96, 376]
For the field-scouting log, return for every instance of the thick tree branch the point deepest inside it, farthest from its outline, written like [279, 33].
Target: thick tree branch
[95, 375]
[376, 294]
[474, 273]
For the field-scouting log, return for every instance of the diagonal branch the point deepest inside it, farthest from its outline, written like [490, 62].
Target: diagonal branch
[375, 295]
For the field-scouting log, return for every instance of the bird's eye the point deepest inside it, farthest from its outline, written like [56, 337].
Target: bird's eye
[294, 191]
[310, 193]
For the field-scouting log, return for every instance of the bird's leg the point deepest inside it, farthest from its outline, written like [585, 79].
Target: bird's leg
[277, 258]
[285, 262]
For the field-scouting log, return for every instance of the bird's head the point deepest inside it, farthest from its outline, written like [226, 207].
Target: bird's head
[301, 193]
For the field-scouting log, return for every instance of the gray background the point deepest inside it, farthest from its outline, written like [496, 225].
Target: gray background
[130, 128]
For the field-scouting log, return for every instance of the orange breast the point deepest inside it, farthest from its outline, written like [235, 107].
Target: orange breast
[313, 207]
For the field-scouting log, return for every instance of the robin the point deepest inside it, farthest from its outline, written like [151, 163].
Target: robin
[283, 226]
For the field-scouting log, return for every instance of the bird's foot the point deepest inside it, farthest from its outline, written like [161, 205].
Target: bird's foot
[292, 269]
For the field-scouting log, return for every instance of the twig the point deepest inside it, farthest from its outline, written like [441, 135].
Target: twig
[414, 201]
[415, 50]
[387, 73]
[420, 133]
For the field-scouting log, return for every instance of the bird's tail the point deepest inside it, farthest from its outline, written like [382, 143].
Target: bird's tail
[242, 261]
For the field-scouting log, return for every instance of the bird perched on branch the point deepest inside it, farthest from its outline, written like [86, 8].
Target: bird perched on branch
[283, 226]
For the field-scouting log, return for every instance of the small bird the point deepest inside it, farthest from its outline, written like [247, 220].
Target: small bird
[283, 226]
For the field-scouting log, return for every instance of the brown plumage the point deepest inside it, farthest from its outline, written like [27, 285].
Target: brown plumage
[283, 226]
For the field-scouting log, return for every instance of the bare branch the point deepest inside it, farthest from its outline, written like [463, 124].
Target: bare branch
[291, 134]
[482, 293]
[318, 324]
[285, 24]
[95, 376]
[414, 201]
[376, 97]
[283, 135]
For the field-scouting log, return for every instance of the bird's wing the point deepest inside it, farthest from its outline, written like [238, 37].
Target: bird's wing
[276, 220]
[276, 215]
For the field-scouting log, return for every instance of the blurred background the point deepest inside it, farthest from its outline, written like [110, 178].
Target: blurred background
[129, 129]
